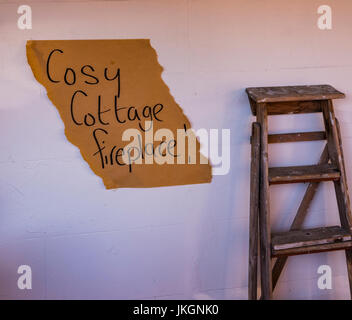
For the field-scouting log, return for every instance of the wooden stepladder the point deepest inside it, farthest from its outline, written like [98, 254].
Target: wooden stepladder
[266, 101]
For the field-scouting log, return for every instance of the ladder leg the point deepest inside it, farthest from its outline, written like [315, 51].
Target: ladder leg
[336, 157]
[254, 213]
[264, 216]
[348, 252]
[341, 190]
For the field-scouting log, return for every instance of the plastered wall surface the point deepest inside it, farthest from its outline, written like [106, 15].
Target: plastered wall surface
[181, 242]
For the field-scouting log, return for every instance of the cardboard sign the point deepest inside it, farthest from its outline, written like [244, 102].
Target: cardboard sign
[118, 111]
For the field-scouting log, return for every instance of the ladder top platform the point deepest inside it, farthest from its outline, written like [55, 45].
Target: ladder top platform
[293, 93]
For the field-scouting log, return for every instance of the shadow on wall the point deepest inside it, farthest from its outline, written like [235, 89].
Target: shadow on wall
[223, 227]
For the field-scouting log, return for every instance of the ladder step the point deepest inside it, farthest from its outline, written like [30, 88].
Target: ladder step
[297, 137]
[310, 241]
[314, 173]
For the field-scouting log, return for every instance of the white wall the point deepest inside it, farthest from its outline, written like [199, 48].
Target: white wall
[83, 241]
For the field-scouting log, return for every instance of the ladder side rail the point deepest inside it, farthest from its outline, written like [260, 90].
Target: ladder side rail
[335, 155]
[254, 213]
[264, 216]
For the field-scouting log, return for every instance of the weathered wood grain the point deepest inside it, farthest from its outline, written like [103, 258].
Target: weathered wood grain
[298, 174]
[335, 154]
[293, 93]
[309, 237]
[254, 213]
[296, 137]
[314, 249]
[264, 216]
[293, 107]
[348, 252]
[288, 107]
